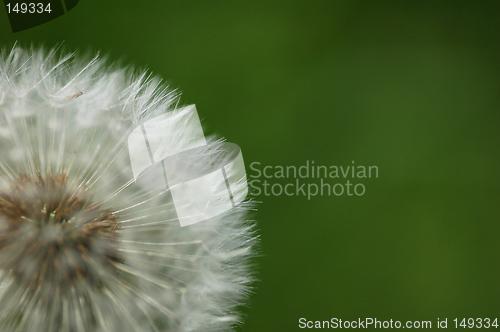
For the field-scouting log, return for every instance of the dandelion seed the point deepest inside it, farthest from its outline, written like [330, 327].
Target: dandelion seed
[76, 95]
[83, 247]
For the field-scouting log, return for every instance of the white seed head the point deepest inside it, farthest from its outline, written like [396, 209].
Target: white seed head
[83, 247]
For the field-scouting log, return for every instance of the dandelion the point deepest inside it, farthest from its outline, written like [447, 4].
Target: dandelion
[84, 246]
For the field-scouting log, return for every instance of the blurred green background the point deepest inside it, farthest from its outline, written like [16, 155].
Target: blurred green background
[411, 87]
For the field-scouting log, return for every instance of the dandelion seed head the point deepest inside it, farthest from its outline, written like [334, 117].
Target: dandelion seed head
[82, 246]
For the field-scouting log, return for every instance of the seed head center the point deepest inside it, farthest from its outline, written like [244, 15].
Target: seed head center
[50, 232]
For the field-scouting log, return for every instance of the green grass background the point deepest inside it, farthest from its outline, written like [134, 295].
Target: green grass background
[409, 86]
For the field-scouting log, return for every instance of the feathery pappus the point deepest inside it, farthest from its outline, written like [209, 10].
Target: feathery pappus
[83, 247]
